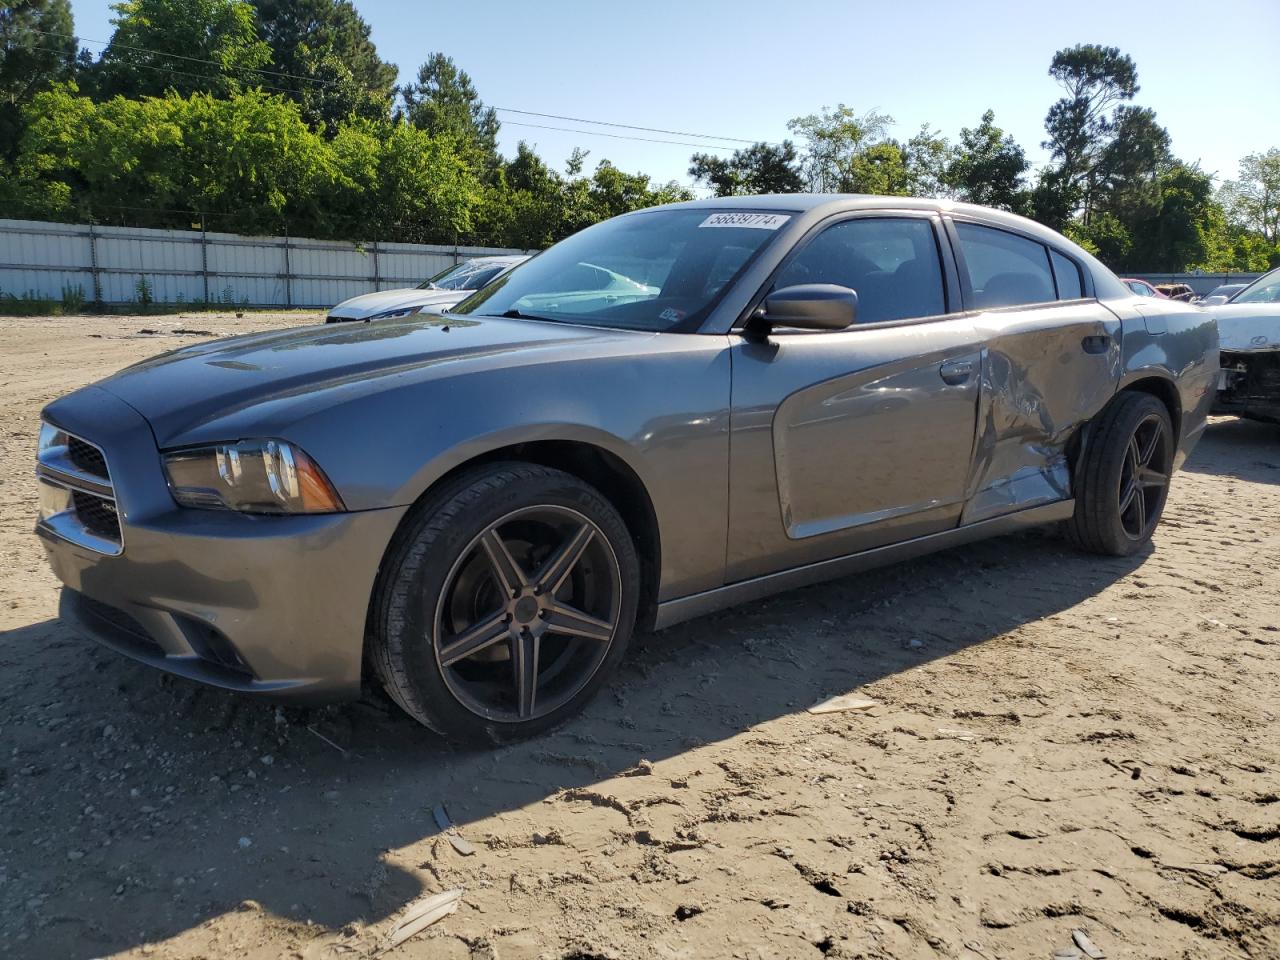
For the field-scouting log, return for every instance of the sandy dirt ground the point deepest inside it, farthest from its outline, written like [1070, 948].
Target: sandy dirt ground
[1063, 743]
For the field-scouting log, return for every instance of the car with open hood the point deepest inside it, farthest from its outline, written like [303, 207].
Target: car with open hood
[670, 412]
[1249, 329]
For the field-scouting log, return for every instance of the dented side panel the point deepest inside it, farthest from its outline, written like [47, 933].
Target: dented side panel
[1046, 371]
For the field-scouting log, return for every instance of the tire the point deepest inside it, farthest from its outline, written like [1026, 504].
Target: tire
[507, 601]
[1132, 437]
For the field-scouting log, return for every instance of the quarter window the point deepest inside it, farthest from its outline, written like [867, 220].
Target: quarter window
[892, 264]
[1067, 274]
[1005, 269]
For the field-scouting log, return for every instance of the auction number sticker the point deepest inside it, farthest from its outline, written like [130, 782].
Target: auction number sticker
[752, 221]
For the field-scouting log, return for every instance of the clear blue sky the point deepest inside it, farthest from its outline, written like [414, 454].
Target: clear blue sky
[742, 68]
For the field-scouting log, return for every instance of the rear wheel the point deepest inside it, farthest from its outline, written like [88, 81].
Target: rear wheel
[509, 601]
[1123, 478]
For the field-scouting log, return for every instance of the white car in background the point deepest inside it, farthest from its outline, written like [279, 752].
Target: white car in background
[441, 292]
[1249, 350]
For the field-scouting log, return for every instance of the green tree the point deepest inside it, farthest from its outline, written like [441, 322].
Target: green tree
[247, 164]
[37, 49]
[880, 168]
[187, 46]
[833, 139]
[1253, 201]
[1095, 79]
[443, 102]
[1180, 231]
[1126, 177]
[926, 157]
[324, 58]
[759, 168]
[988, 166]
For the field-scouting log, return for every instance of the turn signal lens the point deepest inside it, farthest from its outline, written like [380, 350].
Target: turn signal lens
[252, 476]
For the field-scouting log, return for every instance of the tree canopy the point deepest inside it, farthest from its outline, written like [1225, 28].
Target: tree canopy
[274, 115]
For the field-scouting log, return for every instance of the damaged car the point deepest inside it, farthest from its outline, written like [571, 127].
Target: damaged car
[673, 411]
[1249, 331]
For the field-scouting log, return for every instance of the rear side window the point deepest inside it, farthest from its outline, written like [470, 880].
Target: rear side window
[1065, 271]
[892, 264]
[1005, 269]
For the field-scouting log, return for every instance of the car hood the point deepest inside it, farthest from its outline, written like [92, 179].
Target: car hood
[1247, 326]
[262, 381]
[368, 304]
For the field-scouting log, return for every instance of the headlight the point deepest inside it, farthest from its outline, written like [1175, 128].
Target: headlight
[396, 313]
[253, 476]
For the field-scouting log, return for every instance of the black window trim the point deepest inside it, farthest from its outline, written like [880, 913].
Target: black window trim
[949, 222]
[1053, 267]
[951, 293]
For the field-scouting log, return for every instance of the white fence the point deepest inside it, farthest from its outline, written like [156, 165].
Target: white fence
[110, 264]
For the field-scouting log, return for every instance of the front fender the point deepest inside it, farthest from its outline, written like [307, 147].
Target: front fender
[663, 412]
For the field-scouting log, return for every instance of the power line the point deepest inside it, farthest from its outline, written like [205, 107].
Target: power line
[179, 56]
[627, 126]
[617, 136]
[330, 83]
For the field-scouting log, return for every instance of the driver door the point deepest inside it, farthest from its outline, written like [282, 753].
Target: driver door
[848, 440]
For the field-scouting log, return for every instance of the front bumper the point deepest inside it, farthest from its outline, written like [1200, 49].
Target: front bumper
[1249, 384]
[273, 605]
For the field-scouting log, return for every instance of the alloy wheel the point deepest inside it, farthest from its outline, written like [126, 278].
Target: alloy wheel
[528, 613]
[1144, 477]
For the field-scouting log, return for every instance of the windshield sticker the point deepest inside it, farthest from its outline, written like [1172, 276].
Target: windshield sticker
[671, 315]
[751, 221]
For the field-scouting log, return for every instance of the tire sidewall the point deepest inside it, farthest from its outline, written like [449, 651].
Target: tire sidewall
[431, 550]
[1107, 497]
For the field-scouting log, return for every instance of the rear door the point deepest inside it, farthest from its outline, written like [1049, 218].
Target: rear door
[843, 441]
[1050, 362]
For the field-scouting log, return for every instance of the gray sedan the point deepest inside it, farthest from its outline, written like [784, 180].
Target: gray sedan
[670, 412]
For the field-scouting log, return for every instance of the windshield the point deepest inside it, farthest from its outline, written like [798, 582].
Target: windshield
[658, 270]
[1266, 289]
[464, 276]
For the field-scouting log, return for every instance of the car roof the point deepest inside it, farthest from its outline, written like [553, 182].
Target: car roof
[844, 202]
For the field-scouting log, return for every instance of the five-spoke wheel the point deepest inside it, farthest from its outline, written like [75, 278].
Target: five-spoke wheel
[510, 599]
[527, 613]
[1123, 476]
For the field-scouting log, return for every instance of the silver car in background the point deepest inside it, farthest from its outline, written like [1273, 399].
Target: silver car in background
[446, 288]
[673, 411]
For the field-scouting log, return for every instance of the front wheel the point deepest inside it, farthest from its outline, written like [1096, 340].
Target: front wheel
[509, 600]
[1123, 478]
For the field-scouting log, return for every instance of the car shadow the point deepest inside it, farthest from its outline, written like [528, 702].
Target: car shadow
[1249, 449]
[200, 800]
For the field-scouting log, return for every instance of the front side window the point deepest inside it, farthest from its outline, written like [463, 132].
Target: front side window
[661, 269]
[891, 263]
[1005, 269]
[1266, 289]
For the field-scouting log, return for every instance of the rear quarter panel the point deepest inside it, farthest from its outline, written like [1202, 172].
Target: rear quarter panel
[1176, 342]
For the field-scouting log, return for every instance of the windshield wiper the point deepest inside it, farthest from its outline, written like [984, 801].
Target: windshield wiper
[520, 315]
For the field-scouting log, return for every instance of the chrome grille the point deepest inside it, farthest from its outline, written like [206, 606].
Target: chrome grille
[98, 514]
[77, 499]
[87, 457]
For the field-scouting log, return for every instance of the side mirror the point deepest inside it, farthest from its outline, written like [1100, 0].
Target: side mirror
[811, 306]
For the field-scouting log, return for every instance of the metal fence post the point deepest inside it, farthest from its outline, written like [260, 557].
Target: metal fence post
[288, 290]
[204, 259]
[93, 265]
[377, 284]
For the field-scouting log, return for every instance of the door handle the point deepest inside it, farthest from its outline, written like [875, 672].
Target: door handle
[956, 372]
[1096, 344]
